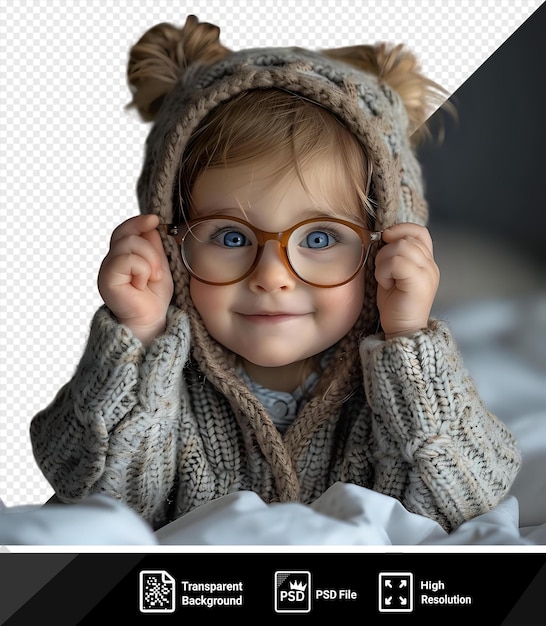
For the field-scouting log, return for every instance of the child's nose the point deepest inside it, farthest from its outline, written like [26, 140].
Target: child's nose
[272, 272]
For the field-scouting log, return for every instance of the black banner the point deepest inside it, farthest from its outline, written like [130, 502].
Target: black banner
[504, 589]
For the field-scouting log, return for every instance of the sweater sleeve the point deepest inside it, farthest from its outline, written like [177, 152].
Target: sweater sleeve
[439, 451]
[113, 427]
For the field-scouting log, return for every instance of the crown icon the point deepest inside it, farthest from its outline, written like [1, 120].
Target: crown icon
[299, 586]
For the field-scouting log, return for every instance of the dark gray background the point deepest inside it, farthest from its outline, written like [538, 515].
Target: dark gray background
[486, 179]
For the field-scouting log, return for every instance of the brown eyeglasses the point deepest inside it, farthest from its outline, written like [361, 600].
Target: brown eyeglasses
[322, 252]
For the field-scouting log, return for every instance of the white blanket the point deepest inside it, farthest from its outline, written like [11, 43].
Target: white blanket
[344, 515]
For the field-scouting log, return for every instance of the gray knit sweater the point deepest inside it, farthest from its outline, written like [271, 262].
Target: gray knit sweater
[143, 425]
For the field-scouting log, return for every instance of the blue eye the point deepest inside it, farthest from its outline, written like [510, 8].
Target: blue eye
[318, 239]
[232, 239]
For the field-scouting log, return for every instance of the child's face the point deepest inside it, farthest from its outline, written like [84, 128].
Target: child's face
[271, 319]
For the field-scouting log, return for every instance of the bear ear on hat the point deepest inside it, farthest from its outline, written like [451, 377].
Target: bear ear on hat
[397, 67]
[162, 55]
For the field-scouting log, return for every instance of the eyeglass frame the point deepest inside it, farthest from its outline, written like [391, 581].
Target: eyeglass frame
[179, 232]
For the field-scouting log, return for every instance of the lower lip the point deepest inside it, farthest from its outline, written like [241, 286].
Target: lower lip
[270, 319]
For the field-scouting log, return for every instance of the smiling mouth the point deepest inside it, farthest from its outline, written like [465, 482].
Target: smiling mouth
[271, 317]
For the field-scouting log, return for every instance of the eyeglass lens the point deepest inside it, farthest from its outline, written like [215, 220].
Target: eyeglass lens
[325, 253]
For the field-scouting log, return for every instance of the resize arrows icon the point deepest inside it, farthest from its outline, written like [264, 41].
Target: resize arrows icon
[396, 592]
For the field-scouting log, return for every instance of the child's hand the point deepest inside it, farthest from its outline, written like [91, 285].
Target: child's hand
[135, 280]
[407, 278]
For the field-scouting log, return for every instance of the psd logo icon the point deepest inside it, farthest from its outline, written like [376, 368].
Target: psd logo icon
[157, 591]
[292, 592]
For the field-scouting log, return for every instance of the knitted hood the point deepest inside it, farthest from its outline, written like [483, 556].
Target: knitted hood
[179, 75]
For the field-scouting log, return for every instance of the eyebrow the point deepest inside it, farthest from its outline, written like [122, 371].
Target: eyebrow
[303, 214]
[228, 211]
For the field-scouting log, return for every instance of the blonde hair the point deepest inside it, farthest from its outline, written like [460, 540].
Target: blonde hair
[288, 133]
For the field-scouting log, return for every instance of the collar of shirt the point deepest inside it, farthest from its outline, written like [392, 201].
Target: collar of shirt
[281, 406]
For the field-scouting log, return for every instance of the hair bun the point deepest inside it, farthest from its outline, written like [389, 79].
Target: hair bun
[162, 55]
[398, 67]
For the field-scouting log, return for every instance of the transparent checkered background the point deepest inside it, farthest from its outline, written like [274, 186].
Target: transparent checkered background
[70, 155]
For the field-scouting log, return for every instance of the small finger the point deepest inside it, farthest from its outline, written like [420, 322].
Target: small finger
[410, 231]
[409, 249]
[139, 245]
[123, 269]
[137, 225]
